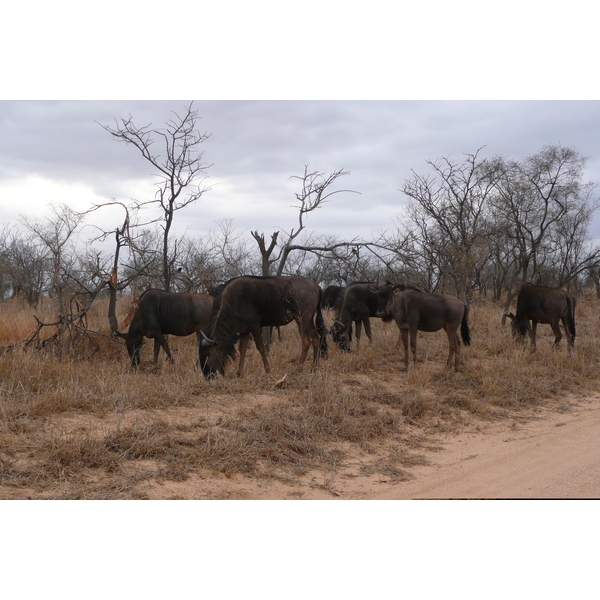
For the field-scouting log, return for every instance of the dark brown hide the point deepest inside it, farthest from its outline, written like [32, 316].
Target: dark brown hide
[248, 304]
[333, 297]
[415, 311]
[160, 313]
[539, 304]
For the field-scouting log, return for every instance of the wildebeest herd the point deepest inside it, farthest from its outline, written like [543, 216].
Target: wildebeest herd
[244, 306]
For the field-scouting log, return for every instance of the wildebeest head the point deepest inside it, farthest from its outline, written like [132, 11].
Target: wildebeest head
[341, 336]
[211, 357]
[133, 344]
[519, 327]
[385, 298]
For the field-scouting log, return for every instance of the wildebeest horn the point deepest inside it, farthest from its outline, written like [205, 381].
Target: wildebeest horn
[206, 341]
[119, 334]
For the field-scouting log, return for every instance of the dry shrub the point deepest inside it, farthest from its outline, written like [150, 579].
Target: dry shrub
[67, 458]
[147, 440]
[299, 435]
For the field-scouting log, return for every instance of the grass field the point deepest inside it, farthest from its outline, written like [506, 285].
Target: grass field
[76, 423]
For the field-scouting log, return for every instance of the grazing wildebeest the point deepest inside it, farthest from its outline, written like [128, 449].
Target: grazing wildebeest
[359, 304]
[333, 298]
[247, 304]
[160, 313]
[540, 304]
[416, 311]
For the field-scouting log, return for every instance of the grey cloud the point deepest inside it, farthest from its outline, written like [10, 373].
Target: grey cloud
[256, 146]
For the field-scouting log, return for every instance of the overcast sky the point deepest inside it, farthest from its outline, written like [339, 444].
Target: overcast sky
[57, 151]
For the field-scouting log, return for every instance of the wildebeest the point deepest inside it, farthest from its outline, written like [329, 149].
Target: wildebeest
[160, 313]
[247, 304]
[359, 304]
[549, 305]
[414, 311]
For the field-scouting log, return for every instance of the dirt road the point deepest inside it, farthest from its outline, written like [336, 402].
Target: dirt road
[555, 456]
[551, 454]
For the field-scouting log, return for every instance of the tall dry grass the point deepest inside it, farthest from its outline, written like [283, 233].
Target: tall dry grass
[77, 423]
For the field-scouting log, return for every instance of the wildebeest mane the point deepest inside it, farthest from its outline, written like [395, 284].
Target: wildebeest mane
[414, 288]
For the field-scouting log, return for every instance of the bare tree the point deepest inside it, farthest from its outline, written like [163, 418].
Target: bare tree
[179, 165]
[229, 251]
[54, 233]
[544, 209]
[266, 251]
[23, 265]
[115, 272]
[404, 256]
[315, 191]
[450, 214]
[570, 251]
[534, 197]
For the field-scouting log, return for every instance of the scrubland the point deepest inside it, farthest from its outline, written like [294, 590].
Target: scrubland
[77, 423]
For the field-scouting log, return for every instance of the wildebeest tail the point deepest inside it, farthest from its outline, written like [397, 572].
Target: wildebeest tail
[465, 332]
[571, 302]
[321, 329]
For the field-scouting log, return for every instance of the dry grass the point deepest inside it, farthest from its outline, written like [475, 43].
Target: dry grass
[78, 424]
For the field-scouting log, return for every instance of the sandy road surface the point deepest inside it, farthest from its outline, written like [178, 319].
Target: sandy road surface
[555, 456]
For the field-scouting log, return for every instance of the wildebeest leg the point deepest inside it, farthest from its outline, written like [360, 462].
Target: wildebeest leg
[161, 340]
[135, 355]
[413, 344]
[568, 333]
[557, 332]
[532, 333]
[367, 325]
[244, 339]
[456, 352]
[399, 337]
[450, 347]
[307, 339]
[453, 347]
[316, 344]
[404, 336]
[358, 331]
[260, 346]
